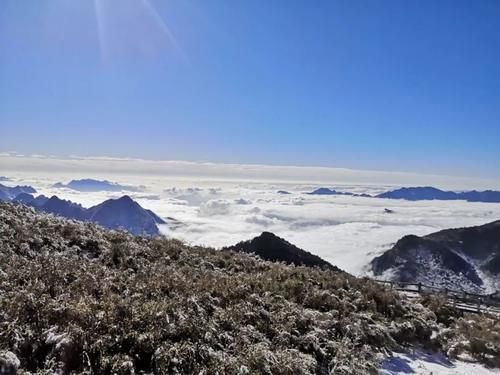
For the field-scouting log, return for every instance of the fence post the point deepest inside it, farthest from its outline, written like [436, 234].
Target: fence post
[420, 287]
[479, 305]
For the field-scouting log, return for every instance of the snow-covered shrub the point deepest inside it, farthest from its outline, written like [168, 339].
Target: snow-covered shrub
[77, 298]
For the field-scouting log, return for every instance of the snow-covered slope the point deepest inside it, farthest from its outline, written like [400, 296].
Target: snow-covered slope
[463, 258]
[424, 363]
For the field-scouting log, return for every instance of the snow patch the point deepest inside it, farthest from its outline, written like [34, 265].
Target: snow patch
[422, 362]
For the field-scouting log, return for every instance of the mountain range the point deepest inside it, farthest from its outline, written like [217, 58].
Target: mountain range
[91, 185]
[462, 258]
[9, 193]
[431, 193]
[122, 213]
[328, 191]
[420, 193]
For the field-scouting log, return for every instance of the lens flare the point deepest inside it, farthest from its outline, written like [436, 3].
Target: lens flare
[164, 28]
[101, 33]
[111, 38]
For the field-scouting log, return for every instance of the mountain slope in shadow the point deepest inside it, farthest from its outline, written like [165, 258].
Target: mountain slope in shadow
[122, 213]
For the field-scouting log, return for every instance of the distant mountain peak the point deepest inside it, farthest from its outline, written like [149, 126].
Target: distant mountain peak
[328, 191]
[323, 191]
[120, 213]
[266, 234]
[125, 213]
[92, 185]
[123, 201]
[8, 193]
[125, 198]
[269, 246]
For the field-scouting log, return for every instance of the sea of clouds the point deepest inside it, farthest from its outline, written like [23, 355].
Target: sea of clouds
[219, 205]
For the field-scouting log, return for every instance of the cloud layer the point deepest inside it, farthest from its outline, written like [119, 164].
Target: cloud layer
[11, 163]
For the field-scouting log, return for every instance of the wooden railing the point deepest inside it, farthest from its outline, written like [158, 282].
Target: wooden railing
[460, 299]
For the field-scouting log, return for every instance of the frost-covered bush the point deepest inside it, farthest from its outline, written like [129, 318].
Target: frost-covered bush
[76, 298]
[473, 337]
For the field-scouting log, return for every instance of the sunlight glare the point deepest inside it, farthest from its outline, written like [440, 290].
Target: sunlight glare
[164, 28]
[101, 30]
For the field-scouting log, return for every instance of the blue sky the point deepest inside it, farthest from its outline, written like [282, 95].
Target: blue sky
[388, 85]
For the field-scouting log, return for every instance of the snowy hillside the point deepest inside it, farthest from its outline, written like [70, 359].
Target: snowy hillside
[77, 298]
[463, 258]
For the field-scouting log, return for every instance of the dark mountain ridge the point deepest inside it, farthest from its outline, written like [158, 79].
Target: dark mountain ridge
[23, 198]
[8, 193]
[122, 213]
[420, 193]
[270, 247]
[64, 208]
[328, 191]
[432, 193]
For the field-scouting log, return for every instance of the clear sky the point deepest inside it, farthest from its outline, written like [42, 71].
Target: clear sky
[388, 85]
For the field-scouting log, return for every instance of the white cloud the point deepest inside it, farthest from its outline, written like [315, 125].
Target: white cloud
[214, 207]
[347, 231]
[211, 171]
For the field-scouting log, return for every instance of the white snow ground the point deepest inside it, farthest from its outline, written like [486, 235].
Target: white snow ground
[424, 363]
